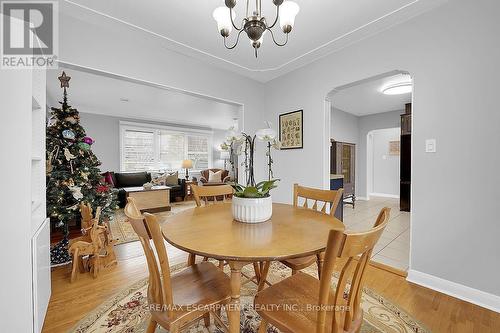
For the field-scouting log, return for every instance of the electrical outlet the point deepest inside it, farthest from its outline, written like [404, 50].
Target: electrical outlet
[430, 145]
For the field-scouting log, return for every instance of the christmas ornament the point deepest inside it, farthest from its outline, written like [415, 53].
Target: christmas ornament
[52, 121]
[76, 191]
[83, 146]
[68, 134]
[68, 154]
[88, 140]
[85, 175]
[71, 120]
[64, 80]
[102, 188]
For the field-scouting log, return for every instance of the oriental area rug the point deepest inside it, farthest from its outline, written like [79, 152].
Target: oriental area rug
[127, 311]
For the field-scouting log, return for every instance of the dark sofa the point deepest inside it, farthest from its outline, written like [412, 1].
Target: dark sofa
[121, 180]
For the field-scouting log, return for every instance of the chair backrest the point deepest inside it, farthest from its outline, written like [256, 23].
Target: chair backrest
[205, 173]
[147, 227]
[86, 213]
[383, 216]
[327, 197]
[348, 246]
[210, 192]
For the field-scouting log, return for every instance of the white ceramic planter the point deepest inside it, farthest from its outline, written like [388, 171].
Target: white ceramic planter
[252, 210]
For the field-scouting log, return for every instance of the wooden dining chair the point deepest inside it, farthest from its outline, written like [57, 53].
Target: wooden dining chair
[175, 301]
[326, 201]
[213, 194]
[209, 194]
[312, 305]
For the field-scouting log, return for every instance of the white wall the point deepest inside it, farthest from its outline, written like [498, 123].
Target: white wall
[16, 312]
[385, 167]
[453, 57]
[367, 124]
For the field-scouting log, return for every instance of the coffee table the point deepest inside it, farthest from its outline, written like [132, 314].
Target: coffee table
[157, 199]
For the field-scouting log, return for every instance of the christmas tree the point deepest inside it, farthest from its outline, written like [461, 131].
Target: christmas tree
[73, 174]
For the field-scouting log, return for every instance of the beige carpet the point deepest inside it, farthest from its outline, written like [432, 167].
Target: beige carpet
[123, 232]
[127, 311]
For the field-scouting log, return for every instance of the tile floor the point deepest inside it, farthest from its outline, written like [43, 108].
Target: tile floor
[393, 248]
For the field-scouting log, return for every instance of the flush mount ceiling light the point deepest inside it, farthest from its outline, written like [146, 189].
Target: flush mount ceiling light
[398, 89]
[401, 84]
[255, 25]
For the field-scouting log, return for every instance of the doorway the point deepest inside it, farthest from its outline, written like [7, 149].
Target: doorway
[368, 115]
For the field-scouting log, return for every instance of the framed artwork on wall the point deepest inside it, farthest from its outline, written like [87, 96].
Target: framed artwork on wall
[291, 128]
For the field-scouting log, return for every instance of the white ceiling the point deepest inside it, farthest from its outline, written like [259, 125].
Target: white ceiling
[187, 26]
[366, 98]
[100, 94]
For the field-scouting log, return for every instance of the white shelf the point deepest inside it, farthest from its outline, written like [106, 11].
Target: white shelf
[36, 158]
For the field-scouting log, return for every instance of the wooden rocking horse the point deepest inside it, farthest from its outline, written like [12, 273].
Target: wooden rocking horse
[94, 249]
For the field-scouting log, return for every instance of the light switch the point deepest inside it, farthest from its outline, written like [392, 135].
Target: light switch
[430, 145]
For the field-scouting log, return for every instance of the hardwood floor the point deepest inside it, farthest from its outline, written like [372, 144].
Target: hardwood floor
[70, 302]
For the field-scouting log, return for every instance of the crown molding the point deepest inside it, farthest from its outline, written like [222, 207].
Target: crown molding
[269, 73]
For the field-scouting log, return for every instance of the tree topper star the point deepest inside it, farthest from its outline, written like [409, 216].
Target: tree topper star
[64, 80]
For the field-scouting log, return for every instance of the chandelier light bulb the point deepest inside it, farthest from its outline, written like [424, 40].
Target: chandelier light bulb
[288, 11]
[223, 18]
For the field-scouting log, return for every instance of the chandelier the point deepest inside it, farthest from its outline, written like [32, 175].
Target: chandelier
[255, 25]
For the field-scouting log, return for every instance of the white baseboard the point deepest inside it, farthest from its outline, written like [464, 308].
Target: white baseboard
[468, 294]
[362, 198]
[384, 195]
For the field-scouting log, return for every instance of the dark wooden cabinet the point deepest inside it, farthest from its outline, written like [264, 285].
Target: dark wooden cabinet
[405, 162]
[343, 162]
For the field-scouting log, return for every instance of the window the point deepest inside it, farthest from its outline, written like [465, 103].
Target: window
[147, 147]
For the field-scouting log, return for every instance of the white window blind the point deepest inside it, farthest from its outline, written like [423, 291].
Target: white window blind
[197, 150]
[138, 150]
[158, 148]
[172, 150]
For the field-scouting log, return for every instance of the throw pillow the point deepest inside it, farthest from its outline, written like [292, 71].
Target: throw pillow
[167, 179]
[215, 177]
[172, 179]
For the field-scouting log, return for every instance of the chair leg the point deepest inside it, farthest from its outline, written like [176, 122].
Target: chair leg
[151, 326]
[76, 257]
[263, 275]
[221, 264]
[319, 261]
[294, 271]
[263, 326]
[206, 319]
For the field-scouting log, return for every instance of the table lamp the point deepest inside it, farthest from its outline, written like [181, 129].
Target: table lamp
[187, 164]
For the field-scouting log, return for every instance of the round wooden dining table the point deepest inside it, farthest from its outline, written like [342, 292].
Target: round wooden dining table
[210, 231]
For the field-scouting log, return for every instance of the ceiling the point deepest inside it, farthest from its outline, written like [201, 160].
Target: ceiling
[366, 97]
[187, 26]
[100, 94]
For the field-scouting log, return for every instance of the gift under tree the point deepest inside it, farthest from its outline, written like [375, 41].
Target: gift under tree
[73, 174]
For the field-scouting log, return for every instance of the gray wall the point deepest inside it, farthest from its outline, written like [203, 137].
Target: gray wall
[453, 59]
[350, 128]
[385, 167]
[344, 126]
[105, 130]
